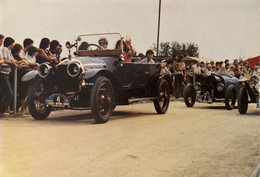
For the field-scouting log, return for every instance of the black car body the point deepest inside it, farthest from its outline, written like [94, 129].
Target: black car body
[249, 93]
[99, 80]
[213, 88]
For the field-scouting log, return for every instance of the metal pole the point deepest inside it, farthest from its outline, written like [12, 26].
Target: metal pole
[158, 34]
[15, 91]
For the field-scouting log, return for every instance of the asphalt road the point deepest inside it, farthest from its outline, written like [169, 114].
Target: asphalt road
[205, 140]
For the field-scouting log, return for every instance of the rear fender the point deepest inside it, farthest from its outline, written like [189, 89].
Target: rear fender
[169, 80]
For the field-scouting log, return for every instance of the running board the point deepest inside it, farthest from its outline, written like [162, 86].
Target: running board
[135, 100]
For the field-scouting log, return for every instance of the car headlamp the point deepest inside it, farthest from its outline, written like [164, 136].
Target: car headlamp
[74, 69]
[197, 85]
[254, 80]
[44, 70]
[220, 87]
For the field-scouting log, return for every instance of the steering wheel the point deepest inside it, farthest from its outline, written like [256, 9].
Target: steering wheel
[95, 45]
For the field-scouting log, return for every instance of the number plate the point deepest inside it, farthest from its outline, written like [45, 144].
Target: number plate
[57, 101]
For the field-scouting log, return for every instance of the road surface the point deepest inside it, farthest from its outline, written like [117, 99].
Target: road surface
[205, 140]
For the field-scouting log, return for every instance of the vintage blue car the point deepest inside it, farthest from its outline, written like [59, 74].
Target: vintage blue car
[98, 79]
[249, 93]
[213, 88]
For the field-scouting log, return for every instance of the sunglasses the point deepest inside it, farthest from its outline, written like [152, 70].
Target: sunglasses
[102, 43]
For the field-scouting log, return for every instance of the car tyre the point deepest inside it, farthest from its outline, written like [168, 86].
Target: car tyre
[36, 100]
[102, 100]
[161, 104]
[189, 95]
[230, 97]
[242, 100]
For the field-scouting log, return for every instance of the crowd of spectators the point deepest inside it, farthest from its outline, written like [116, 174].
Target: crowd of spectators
[182, 70]
[25, 58]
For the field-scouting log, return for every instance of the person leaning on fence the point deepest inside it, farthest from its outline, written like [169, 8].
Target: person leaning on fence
[54, 48]
[5, 69]
[23, 68]
[30, 57]
[45, 54]
[27, 43]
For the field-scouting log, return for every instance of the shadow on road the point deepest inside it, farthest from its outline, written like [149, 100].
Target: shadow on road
[87, 118]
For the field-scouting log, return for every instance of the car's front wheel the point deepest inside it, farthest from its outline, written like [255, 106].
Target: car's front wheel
[242, 100]
[36, 100]
[189, 95]
[161, 104]
[102, 100]
[230, 97]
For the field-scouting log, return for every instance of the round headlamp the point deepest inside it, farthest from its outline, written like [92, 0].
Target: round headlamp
[44, 70]
[254, 80]
[74, 69]
[197, 85]
[220, 87]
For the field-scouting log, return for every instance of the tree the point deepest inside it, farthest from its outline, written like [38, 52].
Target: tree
[175, 48]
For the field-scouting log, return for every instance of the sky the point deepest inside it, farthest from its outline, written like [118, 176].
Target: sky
[223, 29]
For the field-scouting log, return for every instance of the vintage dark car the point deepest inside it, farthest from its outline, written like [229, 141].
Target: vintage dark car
[249, 93]
[97, 79]
[213, 88]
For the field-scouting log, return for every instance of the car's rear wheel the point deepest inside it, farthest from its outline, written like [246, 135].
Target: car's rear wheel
[189, 95]
[242, 100]
[230, 97]
[36, 100]
[161, 104]
[102, 100]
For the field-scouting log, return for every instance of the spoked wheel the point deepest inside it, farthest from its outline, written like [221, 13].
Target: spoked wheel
[189, 95]
[36, 99]
[162, 102]
[230, 97]
[102, 100]
[242, 100]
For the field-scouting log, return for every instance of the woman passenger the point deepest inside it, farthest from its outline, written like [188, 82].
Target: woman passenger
[128, 50]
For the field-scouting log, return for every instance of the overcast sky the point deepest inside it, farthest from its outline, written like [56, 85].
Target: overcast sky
[221, 28]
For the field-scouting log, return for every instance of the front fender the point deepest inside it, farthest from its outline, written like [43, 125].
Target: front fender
[30, 75]
[89, 73]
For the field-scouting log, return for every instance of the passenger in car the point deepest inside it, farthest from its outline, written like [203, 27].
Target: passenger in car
[128, 50]
[83, 46]
[103, 42]
[149, 57]
[45, 54]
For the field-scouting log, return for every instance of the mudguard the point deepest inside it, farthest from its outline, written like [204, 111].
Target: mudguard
[89, 73]
[30, 75]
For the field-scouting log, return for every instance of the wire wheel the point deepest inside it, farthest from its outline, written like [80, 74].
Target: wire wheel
[102, 100]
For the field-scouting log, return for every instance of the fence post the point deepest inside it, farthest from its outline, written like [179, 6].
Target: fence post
[15, 91]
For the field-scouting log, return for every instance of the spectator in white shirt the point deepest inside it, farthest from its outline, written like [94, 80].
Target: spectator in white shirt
[149, 57]
[208, 71]
[196, 68]
[31, 56]
[1, 43]
[27, 43]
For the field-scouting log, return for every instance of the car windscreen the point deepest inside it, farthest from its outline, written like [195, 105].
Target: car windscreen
[104, 41]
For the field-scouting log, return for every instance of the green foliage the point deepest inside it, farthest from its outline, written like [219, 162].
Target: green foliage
[175, 48]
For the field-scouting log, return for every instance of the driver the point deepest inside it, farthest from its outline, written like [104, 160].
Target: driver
[103, 42]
